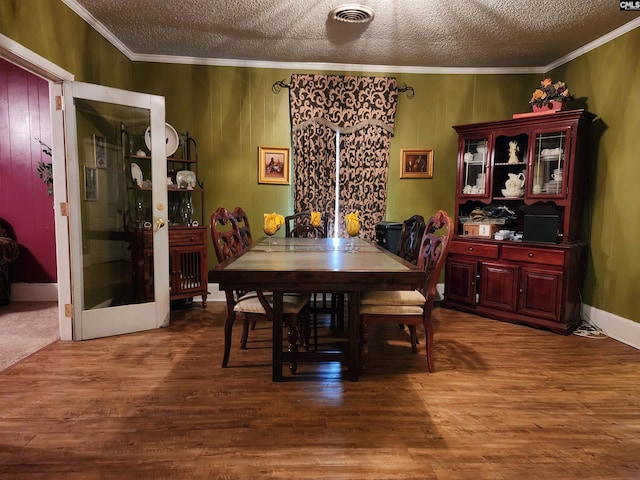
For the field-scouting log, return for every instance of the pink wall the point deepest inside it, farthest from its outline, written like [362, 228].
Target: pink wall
[24, 202]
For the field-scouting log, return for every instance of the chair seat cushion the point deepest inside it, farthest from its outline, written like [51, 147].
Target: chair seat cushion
[393, 297]
[291, 303]
[391, 309]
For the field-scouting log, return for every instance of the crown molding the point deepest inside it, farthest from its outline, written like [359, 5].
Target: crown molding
[228, 62]
[99, 27]
[618, 32]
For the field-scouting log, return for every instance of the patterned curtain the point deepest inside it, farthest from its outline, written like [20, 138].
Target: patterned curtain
[363, 110]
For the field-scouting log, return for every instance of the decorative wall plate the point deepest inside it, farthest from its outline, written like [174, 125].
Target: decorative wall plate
[136, 174]
[172, 140]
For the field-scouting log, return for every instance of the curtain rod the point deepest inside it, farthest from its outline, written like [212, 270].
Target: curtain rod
[280, 84]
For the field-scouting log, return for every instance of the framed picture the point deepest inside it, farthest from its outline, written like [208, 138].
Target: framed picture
[416, 163]
[90, 184]
[273, 165]
[99, 152]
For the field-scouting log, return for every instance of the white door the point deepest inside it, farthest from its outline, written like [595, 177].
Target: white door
[104, 127]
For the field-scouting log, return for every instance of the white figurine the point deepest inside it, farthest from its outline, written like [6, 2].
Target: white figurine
[513, 150]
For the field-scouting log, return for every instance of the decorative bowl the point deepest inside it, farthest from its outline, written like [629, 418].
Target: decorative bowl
[512, 193]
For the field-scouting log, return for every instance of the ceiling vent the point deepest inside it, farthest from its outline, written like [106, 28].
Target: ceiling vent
[352, 13]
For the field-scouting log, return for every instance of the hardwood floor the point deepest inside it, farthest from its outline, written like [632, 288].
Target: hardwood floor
[506, 402]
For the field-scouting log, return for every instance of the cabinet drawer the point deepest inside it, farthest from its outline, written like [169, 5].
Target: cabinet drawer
[475, 249]
[533, 255]
[188, 236]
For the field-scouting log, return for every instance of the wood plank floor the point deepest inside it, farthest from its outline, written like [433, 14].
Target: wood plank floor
[506, 402]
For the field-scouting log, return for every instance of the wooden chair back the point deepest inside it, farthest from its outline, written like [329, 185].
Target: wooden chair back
[225, 235]
[299, 225]
[410, 238]
[433, 252]
[242, 224]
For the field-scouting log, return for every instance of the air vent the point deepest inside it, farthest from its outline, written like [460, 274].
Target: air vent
[352, 13]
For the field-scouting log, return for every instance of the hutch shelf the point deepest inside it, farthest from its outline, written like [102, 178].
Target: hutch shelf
[525, 177]
[188, 274]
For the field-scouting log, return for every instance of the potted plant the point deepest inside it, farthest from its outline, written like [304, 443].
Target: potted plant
[44, 169]
[549, 96]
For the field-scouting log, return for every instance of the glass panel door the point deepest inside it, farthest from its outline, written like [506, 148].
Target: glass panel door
[476, 160]
[119, 246]
[549, 160]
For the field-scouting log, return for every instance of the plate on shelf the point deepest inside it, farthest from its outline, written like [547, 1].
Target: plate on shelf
[551, 158]
[136, 174]
[172, 140]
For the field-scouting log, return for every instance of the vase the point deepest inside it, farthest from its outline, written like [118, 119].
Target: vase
[553, 105]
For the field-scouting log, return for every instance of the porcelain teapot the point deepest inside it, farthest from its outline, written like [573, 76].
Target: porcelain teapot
[515, 183]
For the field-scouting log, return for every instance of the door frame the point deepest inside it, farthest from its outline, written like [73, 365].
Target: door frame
[30, 61]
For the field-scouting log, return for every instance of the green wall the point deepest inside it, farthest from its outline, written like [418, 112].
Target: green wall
[53, 31]
[607, 80]
[232, 111]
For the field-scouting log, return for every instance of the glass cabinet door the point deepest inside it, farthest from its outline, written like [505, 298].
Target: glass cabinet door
[548, 169]
[474, 173]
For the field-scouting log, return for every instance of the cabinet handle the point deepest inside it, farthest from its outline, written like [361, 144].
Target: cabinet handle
[191, 239]
[530, 255]
[470, 249]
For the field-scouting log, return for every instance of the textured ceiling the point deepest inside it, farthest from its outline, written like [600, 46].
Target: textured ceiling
[515, 35]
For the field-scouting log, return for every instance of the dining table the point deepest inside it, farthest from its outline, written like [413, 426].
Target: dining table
[347, 266]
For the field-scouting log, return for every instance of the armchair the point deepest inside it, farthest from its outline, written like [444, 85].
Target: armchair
[9, 251]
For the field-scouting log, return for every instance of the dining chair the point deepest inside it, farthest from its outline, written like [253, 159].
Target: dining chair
[410, 237]
[242, 224]
[252, 306]
[411, 307]
[299, 225]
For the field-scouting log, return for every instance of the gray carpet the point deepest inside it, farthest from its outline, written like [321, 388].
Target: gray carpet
[25, 328]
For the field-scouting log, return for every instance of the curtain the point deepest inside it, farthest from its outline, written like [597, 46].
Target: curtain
[363, 110]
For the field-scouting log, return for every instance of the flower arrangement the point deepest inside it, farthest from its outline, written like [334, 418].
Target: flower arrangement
[548, 92]
[315, 219]
[272, 223]
[353, 223]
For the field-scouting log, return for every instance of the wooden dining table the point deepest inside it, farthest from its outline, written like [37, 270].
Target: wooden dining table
[306, 265]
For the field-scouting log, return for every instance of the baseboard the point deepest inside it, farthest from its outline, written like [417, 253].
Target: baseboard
[34, 292]
[619, 328]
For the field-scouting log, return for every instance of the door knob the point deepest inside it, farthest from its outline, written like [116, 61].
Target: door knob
[159, 224]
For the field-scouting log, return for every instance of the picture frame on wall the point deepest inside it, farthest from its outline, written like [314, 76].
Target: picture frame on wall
[99, 152]
[416, 163]
[90, 184]
[273, 165]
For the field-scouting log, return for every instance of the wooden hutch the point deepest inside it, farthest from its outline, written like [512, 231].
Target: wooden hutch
[534, 279]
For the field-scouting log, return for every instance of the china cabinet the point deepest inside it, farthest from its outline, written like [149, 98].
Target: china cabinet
[517, 254]
[187, 236]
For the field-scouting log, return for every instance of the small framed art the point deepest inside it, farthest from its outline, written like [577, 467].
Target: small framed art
[416, 163]
[99, 151]
[90, 184]
[273, 165]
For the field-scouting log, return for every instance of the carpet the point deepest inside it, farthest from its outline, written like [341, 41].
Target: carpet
[25, 328]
